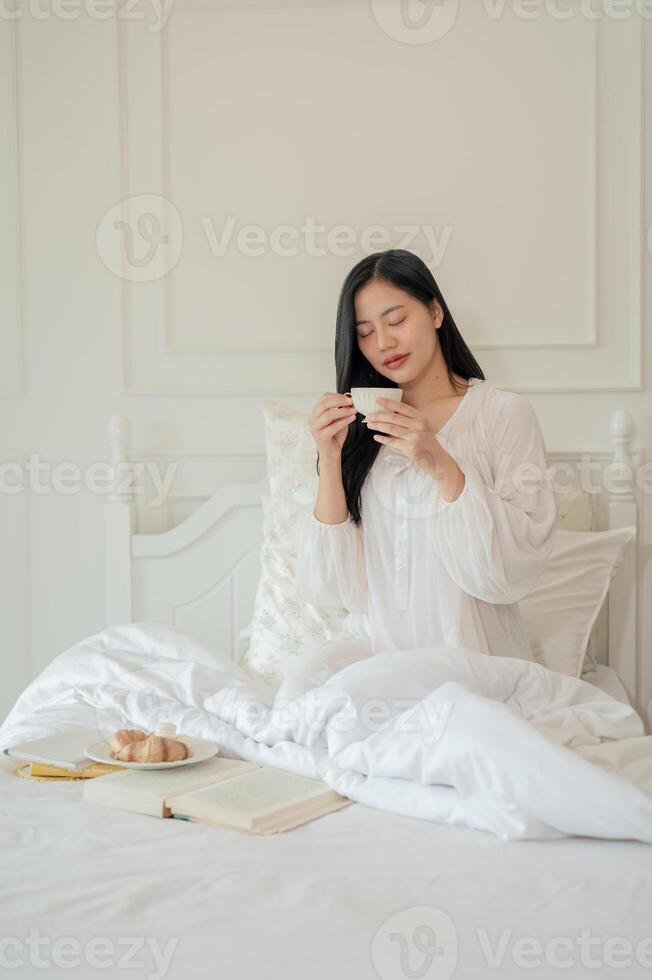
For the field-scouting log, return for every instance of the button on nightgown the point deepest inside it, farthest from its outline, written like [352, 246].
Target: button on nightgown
[421, 571]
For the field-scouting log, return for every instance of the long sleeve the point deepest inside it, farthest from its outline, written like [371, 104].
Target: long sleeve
[330, 567]
[495, 539]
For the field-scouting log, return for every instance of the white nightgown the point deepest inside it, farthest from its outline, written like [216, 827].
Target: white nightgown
[421, 571]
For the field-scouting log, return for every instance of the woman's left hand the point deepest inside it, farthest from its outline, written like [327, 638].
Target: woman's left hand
[407, 430]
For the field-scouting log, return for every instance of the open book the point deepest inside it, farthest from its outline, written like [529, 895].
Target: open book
[232, 793]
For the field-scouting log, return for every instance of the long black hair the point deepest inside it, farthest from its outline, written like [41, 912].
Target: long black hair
[410, 273]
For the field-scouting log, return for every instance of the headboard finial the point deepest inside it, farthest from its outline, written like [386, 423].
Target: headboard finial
[622, 426]
[622, 431]
[118, 431]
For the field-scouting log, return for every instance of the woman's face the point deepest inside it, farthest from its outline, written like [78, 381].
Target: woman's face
[390, 322]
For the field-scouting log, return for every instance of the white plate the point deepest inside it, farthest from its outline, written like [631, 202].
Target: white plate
[201, 750]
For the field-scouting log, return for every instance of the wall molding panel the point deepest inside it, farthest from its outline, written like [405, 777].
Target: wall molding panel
[15, 587]
[11, 340]
[602, 355]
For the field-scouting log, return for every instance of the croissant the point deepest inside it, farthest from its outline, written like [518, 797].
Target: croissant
[153, 749]
[124, 737]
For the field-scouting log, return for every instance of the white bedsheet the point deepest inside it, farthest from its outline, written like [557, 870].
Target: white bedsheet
[345, 896]
[306, 905]
[443, 734]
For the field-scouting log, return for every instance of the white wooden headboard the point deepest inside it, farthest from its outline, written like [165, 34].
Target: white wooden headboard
[202, 575]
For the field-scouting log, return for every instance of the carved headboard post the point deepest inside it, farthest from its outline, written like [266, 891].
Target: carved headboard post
[119, 526]
[622, 591]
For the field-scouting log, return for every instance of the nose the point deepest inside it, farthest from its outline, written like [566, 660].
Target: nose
[383, 337]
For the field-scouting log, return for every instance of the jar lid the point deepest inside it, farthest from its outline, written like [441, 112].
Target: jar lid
[165, 729]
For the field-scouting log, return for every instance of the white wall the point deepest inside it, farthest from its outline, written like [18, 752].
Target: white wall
[520, 143]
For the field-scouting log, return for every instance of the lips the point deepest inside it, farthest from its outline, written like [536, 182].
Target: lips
[396, 361]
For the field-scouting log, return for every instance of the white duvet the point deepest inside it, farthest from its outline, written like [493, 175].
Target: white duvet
[439, 733]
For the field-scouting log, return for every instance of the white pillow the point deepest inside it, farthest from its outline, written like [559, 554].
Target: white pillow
[576, 511]
[560, 612]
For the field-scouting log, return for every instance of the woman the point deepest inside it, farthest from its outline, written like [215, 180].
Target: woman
[434, 515]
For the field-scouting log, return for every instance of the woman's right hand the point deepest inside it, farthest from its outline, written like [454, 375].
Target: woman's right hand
[329, 422]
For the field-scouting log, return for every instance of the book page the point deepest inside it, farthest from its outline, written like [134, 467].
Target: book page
[251, 795]
[147, 790]
[180, 779]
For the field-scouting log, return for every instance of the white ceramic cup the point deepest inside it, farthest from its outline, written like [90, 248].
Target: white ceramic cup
[364, 399]
[165, 729]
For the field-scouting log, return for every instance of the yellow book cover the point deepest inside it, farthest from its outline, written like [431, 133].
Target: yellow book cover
[94, 769]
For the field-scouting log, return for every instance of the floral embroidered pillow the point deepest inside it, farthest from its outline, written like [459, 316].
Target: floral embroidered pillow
[285, 630]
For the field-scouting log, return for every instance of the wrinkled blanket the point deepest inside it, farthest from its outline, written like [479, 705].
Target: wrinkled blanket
[438, 733]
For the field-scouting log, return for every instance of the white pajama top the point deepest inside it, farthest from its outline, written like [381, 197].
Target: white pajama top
[421, 571]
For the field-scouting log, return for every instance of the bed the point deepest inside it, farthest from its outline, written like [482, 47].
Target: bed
[361, 894]
[201, 576]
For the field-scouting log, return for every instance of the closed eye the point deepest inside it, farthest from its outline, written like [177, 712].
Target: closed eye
[363, 336]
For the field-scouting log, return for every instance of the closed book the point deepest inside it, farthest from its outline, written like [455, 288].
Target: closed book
[147, 790]
[266, 801]
[65, 749]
